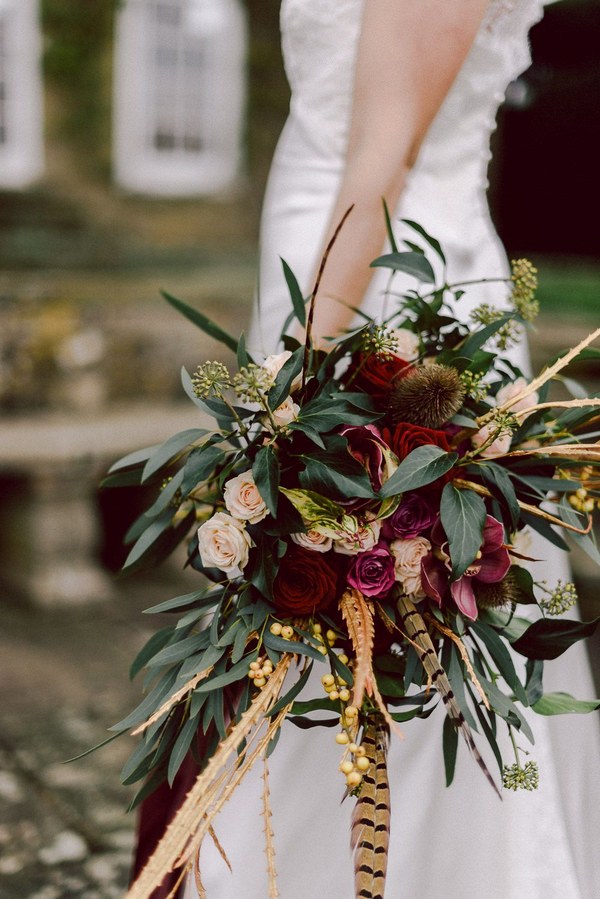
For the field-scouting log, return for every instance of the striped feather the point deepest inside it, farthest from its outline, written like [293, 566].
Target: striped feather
[416, 630]
[370, 835]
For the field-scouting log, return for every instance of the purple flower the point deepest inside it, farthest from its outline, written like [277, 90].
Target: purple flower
[490, 566]
[412, 518]
[372, 572]
[366, 445]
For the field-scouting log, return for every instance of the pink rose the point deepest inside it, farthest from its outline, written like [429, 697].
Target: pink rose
[498, 447]
[224, 543]
[243, 500]
[407, 563]
[313, 540]
[512, 389]
[372, 572]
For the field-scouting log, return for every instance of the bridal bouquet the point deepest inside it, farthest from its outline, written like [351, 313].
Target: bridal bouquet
[361, 512]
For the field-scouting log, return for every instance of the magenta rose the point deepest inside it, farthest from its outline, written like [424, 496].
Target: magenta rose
[372, 572]
[413, 517]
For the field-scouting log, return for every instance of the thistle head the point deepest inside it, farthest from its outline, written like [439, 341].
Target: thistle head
[498, 595]
[428, 395]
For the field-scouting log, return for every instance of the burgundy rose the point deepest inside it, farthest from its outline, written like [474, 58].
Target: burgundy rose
[377, 374]
[490, 567]
[413, 517]
[372, 572]
[305, 583]
[404, 438]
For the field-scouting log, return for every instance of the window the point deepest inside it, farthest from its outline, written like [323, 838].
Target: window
[21, 115]
[179, 95]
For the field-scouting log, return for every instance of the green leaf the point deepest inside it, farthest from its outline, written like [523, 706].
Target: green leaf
[149, 704]
[463, 518]
[295, 293]
[564, 704]
[313, 508]
[242, 354]
[201, 321]
[522, 589]
[450, 747]
[479, 338]
[180, 749]
[156, 642]
[235, 673]
[501, 486]
[135, 458]
[285, 378]
[282, 645]
[198, 598]
[176, 652]
[200, 464]
[170, 448]
[585, 541]
[433, 243]
[423, 466]
[533, 684]
[306, 723]
[326, 412]
[546, 639]
[291, 693]
[266, 476]
[165, 496]
[339, 477]
[411, 263]
[150, 536]
[501, 657]
[388, 227]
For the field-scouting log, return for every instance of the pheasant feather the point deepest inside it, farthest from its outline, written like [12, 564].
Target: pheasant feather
[370, 835]
[417, 631]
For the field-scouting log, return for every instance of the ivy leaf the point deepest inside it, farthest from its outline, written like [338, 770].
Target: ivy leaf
[423, 466]
[463, 518]
[266, 476]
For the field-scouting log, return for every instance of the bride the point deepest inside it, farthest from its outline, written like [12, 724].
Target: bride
[397, 99]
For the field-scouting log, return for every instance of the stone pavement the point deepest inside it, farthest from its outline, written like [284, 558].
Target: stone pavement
[64, 830]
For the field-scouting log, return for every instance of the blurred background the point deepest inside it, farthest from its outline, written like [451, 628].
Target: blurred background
[135, 140]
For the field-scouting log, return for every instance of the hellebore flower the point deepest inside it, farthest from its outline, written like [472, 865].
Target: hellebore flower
[490, 566]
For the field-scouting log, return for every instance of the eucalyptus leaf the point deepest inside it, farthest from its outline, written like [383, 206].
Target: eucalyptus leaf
[180, 749]
[564, 704]
[176, 652]
[433, 243]
[295, 293]
[291, 693]
[450, 747]
[201, 321]
[171, 448]
[135, 458]
[411, 263]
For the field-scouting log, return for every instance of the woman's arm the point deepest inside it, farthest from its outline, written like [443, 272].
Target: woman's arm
[409, 53]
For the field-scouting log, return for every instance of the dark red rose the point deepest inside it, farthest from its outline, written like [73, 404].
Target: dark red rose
[404, 438]
[306, 582]
[377, 374]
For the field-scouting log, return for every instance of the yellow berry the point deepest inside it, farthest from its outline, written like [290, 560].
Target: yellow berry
[343, 658]
[260, 681]
[329, 688]
[252, 673]
[363, 763]
[581, 493]
[588, 505]
[331, 635]
[573, 501]
[351, 711]
[287, 632]
[267, 668]
[342, 682]
[342, 738]
[360, 751]
[317, 628]
[322, 650]
[352, 747]
[346, 767]
[254, 666]
[333, 694]
[344, 695]
[327, 679]
[276, 628]
[353, 779]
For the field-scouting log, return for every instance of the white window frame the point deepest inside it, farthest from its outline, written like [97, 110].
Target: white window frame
[139, 165]
[22, 148]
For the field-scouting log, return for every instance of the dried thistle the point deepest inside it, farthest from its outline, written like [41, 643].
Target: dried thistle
[495, 596]
[428, 396]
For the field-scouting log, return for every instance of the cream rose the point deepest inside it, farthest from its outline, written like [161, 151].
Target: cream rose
[407, 346]
[407, 562]
[275, 362]
[243, 500]
[351, 542]
[514, 388]
[498, 447]
[287, 412]
[314, 540]
[224, 543]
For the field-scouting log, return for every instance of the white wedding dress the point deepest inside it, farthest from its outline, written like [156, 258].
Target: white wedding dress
[461, 842]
